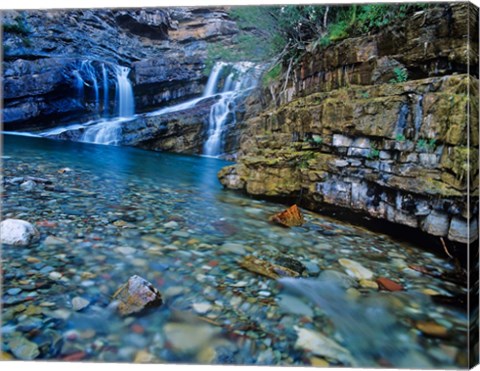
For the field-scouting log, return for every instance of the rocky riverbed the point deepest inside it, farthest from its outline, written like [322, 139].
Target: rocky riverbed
[105, 214]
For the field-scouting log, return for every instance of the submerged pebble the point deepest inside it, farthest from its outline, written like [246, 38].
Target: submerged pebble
[186, 237]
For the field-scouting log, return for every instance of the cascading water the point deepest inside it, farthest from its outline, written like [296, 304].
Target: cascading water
[105, 90]
[106, 129]
[212, 82]
[227, 83]
[90, 79]
[110, 131]
[240, 79]
[125, 101]
[79, 83]
[220, 112]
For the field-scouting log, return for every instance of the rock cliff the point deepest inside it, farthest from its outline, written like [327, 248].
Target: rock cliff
[165, 49]
[346, 133]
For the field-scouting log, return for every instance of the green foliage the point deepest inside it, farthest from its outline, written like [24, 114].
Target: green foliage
[260, 39]
[400, 138]
[272, 74]
[426, 144]
[374, 153]
[374, 16]
[338, 31]
[291, 30]
[304, 159]
[401, 75]
[320, 25]
[317, 139]
[365, 94]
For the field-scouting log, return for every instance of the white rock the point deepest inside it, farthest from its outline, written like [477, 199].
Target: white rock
[202, 308]
[171, 225]
[125, 250]
[28, 186]
[173, 291]
[355, 269]
[321, 346]
[55, 275]
[79, 303]
[189, 338]
[18, 232]
[234, 248]
[240, 284]
[52, 240]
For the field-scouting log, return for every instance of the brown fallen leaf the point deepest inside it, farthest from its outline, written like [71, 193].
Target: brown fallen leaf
[388, 285]
[265, 268]
[291, 217]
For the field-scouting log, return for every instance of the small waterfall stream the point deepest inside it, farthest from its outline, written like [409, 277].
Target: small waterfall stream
[92, 80]
[227, 83]
[240, 79]
[105, 90]
[125, 100]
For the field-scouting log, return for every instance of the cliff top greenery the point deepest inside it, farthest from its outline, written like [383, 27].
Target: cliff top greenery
[284, 33]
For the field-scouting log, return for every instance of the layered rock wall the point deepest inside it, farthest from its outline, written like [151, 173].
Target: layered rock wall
[343, 134]
[166, 50]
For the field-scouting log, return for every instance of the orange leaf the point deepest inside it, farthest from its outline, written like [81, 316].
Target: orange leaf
[291, 217]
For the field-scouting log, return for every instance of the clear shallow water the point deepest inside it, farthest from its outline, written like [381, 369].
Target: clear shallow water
[165, 217]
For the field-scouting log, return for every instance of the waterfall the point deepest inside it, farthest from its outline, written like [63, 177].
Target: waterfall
[227, 84]
[79, 83]
[107, 132]
[105, 90]
[219, 115]
[110, 131]
[211, 87]
[241, 78]
[91, 80]
[124, 99]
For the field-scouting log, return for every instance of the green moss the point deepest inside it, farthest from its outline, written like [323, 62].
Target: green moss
[401, 75]
[273, 74]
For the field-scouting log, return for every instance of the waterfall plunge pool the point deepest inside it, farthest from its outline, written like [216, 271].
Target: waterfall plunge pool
[114, 212]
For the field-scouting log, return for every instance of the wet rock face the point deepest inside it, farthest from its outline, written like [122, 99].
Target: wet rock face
[136, 295]
[152, 23]
[165, 49]
[343, 134]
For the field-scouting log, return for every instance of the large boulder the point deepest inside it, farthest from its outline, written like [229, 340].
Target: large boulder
[18, 232]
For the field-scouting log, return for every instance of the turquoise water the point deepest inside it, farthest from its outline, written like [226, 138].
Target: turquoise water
[119, 211]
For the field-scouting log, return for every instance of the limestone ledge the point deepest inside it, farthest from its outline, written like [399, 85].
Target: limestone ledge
[432, 42]
[394, 151]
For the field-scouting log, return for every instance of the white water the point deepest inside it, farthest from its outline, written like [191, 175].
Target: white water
[125, 100]
[105, 90]
[219, 115]
[240, 79]
[227, 82]
[104, 130]
[212, 82]
[90, 80]
[176, 108]
[79, 85]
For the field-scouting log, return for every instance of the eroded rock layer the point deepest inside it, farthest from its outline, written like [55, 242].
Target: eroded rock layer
[344, 134]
